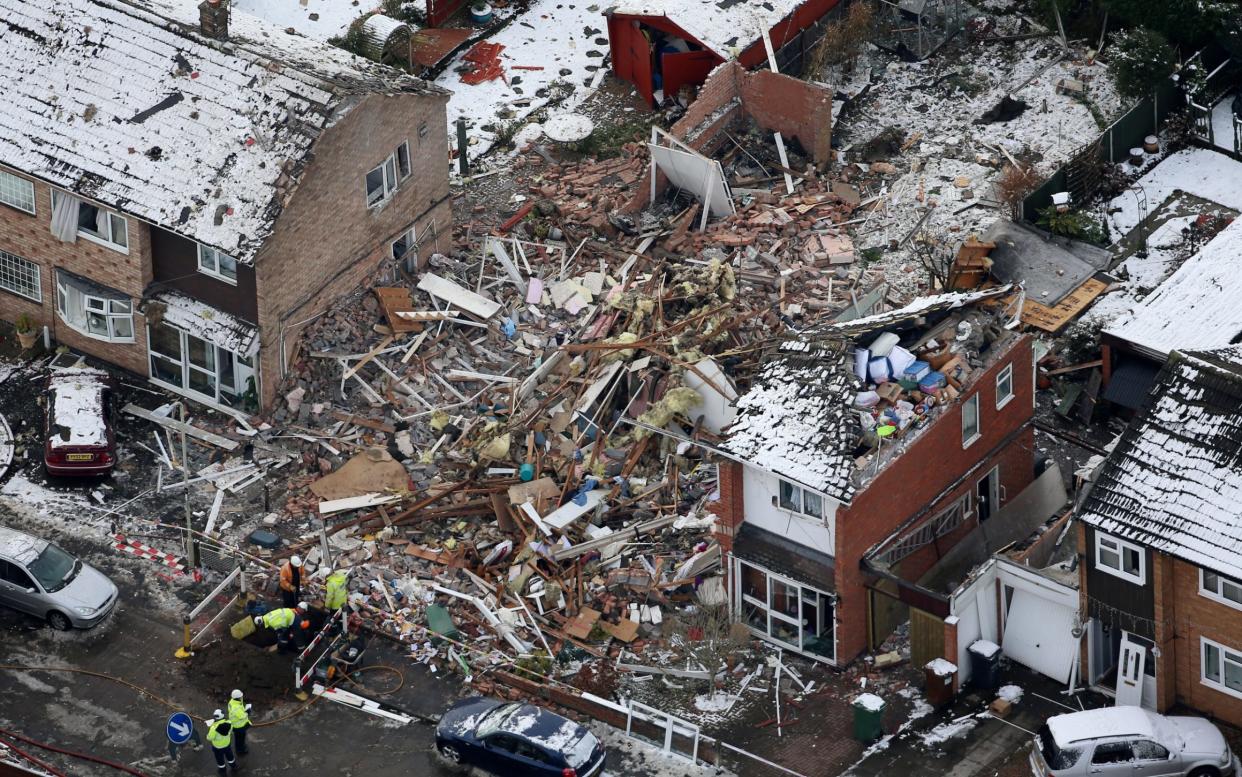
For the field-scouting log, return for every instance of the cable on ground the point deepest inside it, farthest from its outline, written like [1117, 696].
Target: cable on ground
[71, 753]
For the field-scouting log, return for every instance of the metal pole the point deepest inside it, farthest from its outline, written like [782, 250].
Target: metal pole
[192, 546]
[184, 651]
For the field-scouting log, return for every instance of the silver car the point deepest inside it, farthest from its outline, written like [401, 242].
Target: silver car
[39, 578]
[1130, 741]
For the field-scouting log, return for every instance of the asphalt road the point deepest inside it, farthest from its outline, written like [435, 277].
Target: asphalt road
[109, 720]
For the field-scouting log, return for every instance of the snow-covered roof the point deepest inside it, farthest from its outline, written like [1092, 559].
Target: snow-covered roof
[205, 322]
[797, 419]
[727, 27]
[1196, 307]
[1103, 722]
[20, 547]
[134, 109]
[1174, 479]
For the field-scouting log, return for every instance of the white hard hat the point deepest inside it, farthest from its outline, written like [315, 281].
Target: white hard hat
[217, 714]
[258, 620]
[237, 694]
[303, 606]
[296, 561]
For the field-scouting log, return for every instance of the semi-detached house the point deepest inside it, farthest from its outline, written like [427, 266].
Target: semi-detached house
[913, 424]
[1161, 545]
[183, 188]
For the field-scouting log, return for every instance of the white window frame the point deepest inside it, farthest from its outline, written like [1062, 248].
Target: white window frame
[9, 184]
[1217, 685]
[101, 306]
[801, 492]
[212, 268]
[1217, 594]
[973, 404]
[29, 267]
[1004, 376]
[107, 241]
[1121, 546]
[410, 237]
[741, 599]
[392, 173]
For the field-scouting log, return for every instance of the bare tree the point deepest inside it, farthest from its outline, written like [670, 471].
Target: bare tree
[937, 255]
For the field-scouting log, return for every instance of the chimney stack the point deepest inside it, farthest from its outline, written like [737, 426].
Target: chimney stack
[213, 19]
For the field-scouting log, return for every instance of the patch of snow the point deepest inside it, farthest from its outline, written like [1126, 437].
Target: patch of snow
[557, 37]
[984, 647]
[332, 17]
[1198, 171]
[1164, 255]
[717, 701]
[946, 731]
[1010, 693]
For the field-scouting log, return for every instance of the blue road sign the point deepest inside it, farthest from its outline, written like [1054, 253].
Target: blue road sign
[180, 727]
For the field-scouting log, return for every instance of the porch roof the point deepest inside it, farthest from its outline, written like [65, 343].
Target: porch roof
[785, 557]
[204, 322]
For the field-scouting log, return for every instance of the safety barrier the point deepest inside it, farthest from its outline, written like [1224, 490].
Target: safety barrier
[679, 735]
[300, 677]
[189, 637]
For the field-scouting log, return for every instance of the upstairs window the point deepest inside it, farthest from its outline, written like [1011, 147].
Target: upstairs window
[93, 223]
[800, 500]
[1223, 589]
[1120, 558]
[383, 179]
[17, 191]
[1004, 386]
[217, 264]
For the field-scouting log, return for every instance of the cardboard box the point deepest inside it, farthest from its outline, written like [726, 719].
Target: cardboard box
[1000, 708]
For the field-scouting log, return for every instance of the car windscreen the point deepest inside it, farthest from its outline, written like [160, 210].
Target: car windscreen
[54, 568]
[493, 720]
[1056, 757]
[580, 752]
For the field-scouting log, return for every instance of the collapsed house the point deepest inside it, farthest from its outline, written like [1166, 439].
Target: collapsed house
[183, 214]
[914, 422]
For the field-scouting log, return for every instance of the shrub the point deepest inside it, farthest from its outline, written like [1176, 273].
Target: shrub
[1139, 60]
[1075, 224]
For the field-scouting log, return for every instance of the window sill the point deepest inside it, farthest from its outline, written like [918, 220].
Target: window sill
[1136, 580]
[105, 243]
[36, 300]
[967, 443]
[1215, 686]
[1206, 594]
[17, 208]
[93, 336]
[1005, 401]
[218, 276]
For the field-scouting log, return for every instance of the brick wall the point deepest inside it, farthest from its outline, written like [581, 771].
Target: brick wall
[327, 241]
[700, 127]
[1192, 616]
[919, 481]
[729, 509]
[30, 237]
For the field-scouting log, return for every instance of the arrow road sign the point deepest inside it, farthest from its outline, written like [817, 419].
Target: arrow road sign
[180, 727]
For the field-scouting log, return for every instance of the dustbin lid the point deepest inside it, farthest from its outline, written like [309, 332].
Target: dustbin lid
[869, 702]
[985, 648]
[941, 667]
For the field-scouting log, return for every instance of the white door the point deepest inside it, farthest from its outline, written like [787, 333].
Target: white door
[1039, 634]
[1130, 673]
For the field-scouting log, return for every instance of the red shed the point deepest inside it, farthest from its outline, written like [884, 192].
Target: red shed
[663, 45]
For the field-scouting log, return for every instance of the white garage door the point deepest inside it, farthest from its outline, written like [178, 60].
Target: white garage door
[1037, 634]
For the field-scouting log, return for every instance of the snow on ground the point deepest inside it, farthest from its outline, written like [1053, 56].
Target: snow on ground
[940, 100]
[946, 731]
[332, 17]
[1164, 255]
[629, 756]
[565, 39]
[718, 701]
[1201, 172]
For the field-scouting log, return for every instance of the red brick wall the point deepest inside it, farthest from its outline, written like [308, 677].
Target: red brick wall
[30, 237]
[1193, 616]
[928, 467]
[729, 510]
[327, 241]
[792, 107]
[721, 88]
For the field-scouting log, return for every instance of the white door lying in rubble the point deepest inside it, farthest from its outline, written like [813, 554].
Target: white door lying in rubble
[1039, 634]
[1130, 673]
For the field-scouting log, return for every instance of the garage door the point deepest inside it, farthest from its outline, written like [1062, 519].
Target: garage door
[1037, 634]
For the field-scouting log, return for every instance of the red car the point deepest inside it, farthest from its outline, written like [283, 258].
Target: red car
[79, 423]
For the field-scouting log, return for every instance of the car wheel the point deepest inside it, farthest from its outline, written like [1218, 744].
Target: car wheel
[59, 621]
[451, 754]
[1205, 771]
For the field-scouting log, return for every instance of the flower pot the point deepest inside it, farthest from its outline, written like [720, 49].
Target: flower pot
[481, 13]
[28, 339]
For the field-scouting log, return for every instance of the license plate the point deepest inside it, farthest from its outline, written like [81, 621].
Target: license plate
[80, 457]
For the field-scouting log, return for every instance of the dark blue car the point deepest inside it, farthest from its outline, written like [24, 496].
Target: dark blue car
[510, 738]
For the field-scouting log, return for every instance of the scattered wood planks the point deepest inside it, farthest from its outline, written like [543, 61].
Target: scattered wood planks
[1051, 318]
[177, 426]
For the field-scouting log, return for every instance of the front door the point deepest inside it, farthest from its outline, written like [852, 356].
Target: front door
[987, 492]
[1130, 672]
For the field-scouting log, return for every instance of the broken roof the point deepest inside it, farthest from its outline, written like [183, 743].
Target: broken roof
[1175, 477]
[143, 115]
[797, 420]
[1047, 266]
[1195, 308]
[727, 27]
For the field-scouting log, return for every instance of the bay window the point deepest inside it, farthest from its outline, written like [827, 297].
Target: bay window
[93, 310]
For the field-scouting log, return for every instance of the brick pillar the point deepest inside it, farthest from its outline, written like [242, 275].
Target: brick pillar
[950, 650]
[213, 19]
[1166, 667]
[729, 510]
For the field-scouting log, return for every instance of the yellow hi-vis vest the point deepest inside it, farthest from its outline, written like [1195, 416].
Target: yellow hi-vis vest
[237, 714]
[215, 738]
[337, 590]
[280, 619]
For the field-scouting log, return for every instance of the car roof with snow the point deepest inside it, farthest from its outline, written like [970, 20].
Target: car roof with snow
[543, 727]
[1103, 723]
[19, 546]
[77, 412]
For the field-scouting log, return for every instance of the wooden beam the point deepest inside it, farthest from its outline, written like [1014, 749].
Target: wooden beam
[177, 426]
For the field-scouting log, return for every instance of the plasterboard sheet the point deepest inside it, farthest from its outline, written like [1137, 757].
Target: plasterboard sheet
[695, 173]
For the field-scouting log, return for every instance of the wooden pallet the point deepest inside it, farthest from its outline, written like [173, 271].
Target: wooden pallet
[1052, 318]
